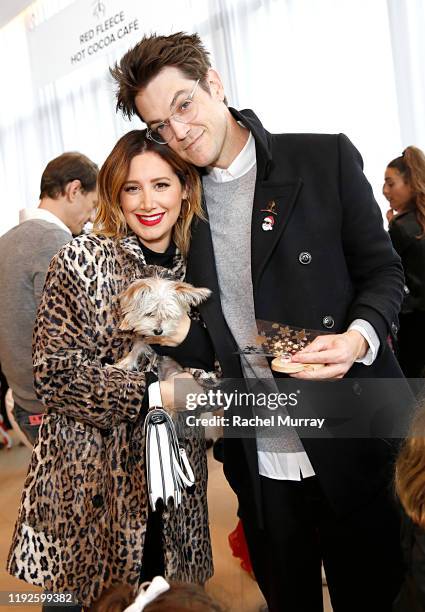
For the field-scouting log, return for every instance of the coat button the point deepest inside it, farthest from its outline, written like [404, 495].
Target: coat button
[304, 258]
[357, 388]
[394, 328]
[328, 321]
[97, 500]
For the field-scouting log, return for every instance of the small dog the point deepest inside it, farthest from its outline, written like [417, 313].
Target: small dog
[153, 307]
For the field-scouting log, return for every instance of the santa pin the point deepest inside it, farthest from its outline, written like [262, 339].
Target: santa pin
[268, 223]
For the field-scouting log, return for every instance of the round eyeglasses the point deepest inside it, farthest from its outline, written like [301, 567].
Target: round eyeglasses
[185, 111]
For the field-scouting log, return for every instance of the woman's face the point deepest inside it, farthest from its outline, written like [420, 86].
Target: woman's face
[398, 193]
[151, 200]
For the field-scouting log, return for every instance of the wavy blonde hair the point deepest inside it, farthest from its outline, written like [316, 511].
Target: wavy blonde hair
[410, 470]
[110, 220]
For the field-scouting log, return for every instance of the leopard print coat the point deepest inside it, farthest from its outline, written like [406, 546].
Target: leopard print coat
[82, 520]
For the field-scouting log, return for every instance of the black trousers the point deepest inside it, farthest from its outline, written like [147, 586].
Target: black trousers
[153, 553]
[361, 552]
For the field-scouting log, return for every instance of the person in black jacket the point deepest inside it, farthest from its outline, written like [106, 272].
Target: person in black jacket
[294, 236]
[404, 188]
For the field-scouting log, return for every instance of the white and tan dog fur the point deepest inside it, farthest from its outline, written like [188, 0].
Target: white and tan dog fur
[153, 307]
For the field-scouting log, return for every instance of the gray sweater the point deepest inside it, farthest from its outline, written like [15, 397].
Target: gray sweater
[25, 254]
[229, 206]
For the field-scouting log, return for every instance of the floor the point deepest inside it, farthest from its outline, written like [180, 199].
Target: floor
[230, 584]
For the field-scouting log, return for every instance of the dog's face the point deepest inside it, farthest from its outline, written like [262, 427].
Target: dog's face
[153, 306]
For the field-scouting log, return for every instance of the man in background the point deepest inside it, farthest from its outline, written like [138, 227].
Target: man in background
[67, 201]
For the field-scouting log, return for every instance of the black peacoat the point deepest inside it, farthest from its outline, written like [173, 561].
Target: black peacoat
[326, 262]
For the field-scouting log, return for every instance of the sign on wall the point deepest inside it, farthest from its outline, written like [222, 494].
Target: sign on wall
[86, 30]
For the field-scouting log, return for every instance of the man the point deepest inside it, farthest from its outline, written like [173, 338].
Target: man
[293, 235]
[67, 201]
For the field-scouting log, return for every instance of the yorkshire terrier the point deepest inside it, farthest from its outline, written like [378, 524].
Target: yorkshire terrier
[153, 307]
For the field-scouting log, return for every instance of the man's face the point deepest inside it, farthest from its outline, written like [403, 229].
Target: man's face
[202, 141]
[83, 209]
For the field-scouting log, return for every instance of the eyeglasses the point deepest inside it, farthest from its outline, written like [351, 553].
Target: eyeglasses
[186, 110]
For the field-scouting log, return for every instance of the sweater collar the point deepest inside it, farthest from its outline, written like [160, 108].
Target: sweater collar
[131, 246]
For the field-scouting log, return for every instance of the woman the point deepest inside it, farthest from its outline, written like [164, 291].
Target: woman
[84, 522]
[404, 188]
[410, 487]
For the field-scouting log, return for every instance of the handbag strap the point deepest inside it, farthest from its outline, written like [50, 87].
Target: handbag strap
[167, 465]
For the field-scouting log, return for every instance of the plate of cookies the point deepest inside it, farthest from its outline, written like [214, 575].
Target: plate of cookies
[280, 342]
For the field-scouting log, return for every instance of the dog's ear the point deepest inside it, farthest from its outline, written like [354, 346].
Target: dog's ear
[190, 295]
[132, 292]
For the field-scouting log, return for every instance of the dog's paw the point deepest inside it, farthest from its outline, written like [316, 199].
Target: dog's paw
[208, 380]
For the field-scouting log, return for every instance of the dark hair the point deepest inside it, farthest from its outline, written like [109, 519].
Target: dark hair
[179, 598]
[153, 53]
[64, 169]
[110, 220]
[411, 166]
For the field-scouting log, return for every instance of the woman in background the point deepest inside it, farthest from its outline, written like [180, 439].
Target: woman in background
[410, 487]
[404, 188]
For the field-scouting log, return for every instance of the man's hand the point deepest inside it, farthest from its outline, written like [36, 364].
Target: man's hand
[337, 351]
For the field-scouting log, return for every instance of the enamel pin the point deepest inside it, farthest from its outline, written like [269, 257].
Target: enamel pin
[268, 222]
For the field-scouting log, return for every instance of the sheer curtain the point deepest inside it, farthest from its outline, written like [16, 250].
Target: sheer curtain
[407, 26]
[350, 66]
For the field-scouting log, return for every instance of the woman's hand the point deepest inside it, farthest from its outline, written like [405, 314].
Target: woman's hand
[175, 388]
[390, 215]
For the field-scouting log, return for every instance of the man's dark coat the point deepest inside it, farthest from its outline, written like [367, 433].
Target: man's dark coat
[326, 262]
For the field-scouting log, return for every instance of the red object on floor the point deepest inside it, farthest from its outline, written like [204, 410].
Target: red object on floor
[35, 419]
[5, 439]
[239, 548]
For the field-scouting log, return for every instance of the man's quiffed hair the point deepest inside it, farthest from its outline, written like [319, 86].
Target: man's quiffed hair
[153, 53]
[64, 169]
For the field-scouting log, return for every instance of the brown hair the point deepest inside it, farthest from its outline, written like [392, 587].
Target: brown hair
[410, 470]
[411, 166]
[64, 169]
[110, 220]
[179, 598]
[153, 53]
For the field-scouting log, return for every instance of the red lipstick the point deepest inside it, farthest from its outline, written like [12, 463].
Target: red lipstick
[150, 220]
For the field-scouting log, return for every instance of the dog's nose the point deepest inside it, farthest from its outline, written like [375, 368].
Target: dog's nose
[157, 331]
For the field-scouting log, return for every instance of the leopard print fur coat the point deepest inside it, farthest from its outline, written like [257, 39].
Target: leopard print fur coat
[82, 519]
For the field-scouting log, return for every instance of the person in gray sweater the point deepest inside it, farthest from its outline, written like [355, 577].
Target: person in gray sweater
[67, 200]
